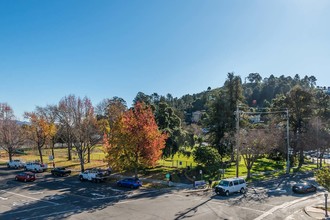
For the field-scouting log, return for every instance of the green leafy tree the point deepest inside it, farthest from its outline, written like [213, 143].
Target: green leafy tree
[208, 157]
[323, 177]
[300, 103]
[170, 123]
[220, 118]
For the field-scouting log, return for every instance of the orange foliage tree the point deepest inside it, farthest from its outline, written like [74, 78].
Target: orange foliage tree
[39, 130]
[135, 141]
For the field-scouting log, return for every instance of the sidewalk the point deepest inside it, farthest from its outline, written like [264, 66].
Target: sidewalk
[316, 213]
[162, 182]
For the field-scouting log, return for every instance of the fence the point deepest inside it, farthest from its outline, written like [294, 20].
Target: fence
[177, 163]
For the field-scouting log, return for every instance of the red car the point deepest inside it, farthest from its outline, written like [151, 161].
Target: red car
[26, 176]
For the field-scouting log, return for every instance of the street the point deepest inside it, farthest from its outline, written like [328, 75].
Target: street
[67, 198]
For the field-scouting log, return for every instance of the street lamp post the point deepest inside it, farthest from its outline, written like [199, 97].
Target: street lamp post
[326, 204]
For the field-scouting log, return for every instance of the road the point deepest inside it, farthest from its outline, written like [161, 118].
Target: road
[67, 198]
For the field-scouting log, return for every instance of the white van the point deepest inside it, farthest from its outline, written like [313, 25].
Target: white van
[227, 186]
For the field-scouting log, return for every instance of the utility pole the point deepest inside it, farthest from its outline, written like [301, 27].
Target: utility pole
[317, 144]
[237, 141]
[287, 143]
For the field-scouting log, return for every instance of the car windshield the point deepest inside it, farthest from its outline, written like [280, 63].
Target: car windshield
[223, 183]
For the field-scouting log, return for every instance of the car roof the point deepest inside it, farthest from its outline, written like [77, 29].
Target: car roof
[232, 179]
[303, 184]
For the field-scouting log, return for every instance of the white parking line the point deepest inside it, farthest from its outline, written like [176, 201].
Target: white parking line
[5, 191]
[2, 198]
[109, 197]
[35, 193]
[284, 205]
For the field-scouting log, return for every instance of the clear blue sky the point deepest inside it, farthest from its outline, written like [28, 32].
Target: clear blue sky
[105, 48]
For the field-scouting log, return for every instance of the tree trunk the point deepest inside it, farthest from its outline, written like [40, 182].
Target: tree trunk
[81, 158]
[53, 146]
[10, 154]
[69, 151]
[301, 157]
[136, 172]
[321, 158]
[89, 154]
[40, 154]
[248, 172]
[53, 153]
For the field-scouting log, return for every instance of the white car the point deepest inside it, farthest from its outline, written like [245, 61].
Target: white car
[15, 164]
[35, 166]
[227, 186]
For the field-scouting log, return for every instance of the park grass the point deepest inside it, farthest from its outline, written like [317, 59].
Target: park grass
[263, 168]
[60, 159]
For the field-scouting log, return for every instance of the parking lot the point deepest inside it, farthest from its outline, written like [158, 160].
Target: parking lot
[52, 197]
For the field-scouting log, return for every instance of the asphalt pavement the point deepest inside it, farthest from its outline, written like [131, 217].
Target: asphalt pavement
[66, 197]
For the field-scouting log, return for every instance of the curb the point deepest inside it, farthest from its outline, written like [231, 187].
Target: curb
[198, 190]
[319, 213]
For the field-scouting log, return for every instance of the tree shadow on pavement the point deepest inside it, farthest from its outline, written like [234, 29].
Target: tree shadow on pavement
[62, 197]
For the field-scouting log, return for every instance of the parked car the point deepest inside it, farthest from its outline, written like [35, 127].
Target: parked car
[25, 177]
[95, 175]
[227, 186]
[303, 188]
[133, 183]
[15, 164]
[35, 167]
[60, 171]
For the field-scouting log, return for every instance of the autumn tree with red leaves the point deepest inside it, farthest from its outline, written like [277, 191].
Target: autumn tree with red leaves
[135, 140]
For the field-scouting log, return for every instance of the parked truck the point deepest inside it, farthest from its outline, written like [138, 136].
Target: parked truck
[95, 175]
[35, 167]
[15, 164]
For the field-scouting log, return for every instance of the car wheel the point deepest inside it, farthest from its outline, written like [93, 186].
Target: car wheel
[132, 187]
[16, 178]
[16, 167]
[119, 184]
[81, 178]
[227, 193]
[24, 180]
[242, 191]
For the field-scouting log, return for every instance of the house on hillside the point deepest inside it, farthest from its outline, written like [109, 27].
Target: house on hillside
[196, 116]
[324, 89]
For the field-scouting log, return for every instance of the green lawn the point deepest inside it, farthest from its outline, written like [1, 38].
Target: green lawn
[262, 169]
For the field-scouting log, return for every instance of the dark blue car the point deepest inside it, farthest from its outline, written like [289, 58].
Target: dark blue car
[133, 183]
